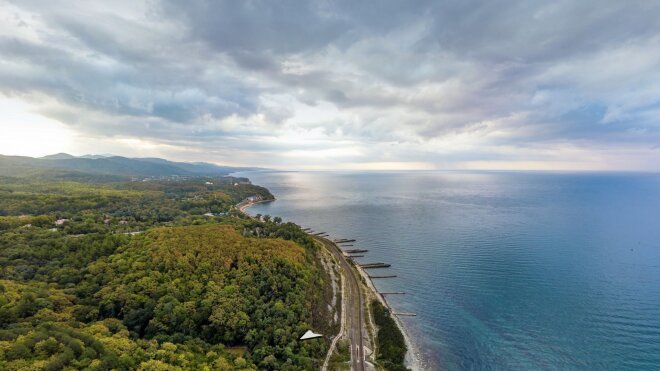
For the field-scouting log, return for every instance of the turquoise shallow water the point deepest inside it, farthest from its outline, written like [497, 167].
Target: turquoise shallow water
[505, 270]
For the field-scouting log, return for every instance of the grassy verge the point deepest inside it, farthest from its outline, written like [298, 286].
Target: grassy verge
[340, 360]
[391, 343]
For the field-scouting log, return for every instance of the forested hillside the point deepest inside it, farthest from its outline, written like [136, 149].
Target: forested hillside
[133, 275]
[109, 166]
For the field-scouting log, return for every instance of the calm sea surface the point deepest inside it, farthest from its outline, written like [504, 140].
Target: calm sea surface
[505, 270]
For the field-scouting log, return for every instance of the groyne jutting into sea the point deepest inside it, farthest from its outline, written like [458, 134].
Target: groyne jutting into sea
[375, 265]
[352, 254]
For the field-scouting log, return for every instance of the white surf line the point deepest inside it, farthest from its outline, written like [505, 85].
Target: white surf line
[341, 327]
[411, 355]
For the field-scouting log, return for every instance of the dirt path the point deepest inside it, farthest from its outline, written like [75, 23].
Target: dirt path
[354, 305]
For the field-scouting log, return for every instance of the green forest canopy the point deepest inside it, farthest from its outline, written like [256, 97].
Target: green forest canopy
[134, 276]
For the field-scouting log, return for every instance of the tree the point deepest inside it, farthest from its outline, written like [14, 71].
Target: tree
[89, 295]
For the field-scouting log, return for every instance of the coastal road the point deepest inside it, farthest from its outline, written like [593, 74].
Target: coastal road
[353, 305]
[354, 297]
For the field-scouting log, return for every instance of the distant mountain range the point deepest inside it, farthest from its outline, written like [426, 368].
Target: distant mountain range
[108, 165]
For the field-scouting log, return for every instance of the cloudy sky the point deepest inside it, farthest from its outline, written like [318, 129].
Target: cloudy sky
[336, 84]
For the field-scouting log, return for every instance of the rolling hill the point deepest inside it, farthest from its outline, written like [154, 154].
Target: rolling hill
[117, 166]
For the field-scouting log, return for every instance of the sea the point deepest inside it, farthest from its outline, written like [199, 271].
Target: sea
[505, 270]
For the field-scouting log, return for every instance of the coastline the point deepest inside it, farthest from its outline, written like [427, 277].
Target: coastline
[244, 205]
[412, 359]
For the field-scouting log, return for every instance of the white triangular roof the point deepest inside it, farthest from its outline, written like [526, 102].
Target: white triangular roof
[310, 335]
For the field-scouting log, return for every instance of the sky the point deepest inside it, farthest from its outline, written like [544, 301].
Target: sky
[362, 85]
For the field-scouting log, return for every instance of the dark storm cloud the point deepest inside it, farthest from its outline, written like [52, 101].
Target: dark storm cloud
[494, 73]
[264, 26]
[108, 63]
